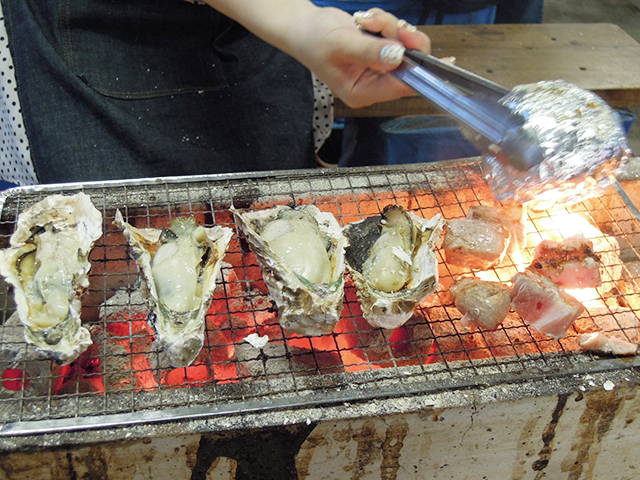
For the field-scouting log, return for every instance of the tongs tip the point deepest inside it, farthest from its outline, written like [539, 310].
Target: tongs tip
[476, 103]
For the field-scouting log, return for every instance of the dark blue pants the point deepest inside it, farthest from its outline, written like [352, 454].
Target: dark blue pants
[113, 89]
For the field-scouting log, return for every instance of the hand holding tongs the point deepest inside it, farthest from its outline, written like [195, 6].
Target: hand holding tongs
[475, 102]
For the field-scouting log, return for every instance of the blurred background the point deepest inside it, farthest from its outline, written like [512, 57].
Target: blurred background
[624, 13]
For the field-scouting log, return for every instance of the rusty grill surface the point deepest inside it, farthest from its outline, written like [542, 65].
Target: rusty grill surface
[120, 380]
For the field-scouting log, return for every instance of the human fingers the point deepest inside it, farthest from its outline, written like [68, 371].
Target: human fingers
[413, 38]
[376, 20]
[373, 87]
[379, 54]
[387, 25]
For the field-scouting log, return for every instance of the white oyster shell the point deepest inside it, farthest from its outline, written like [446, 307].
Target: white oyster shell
[392, 309]
[48, 266]
[178, 322]
[304, 308]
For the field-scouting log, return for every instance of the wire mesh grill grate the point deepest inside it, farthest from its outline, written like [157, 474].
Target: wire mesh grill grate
[122, 373]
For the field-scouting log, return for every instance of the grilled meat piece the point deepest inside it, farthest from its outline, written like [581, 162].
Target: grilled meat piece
[601, 343]
[476, 244]
[543, 304]
[571, 263]
[483, 304]
[510, 216]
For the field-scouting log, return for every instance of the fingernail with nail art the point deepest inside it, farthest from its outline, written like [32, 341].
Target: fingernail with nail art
[404, 25]
[392, 54]
[360, 15]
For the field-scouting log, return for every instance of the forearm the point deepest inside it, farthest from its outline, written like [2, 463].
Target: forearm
[278, 22]
[328, 42]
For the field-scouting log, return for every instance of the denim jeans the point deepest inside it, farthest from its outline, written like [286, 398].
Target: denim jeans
[114, 89]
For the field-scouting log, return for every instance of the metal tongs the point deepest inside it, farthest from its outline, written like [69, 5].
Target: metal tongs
[474, 102]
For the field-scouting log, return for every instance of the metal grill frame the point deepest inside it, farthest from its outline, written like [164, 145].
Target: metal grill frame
[30, 418]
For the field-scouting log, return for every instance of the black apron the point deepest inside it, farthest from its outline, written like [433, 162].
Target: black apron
[114, 89]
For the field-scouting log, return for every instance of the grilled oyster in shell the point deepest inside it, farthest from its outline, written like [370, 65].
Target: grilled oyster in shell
[393, 263]
[48, 266]
[301, 253]
[178, 267]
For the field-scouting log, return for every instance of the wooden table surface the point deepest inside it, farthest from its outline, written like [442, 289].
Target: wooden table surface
[597, 56]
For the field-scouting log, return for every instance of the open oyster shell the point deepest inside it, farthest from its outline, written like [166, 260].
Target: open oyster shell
[178, 267]
[392, 261]
[48, 266]
[301, 253]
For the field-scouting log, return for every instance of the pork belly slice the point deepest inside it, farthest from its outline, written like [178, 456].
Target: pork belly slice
[483, 304]
[571, 263]
[476, 244]
[601, 343]
[509, 216]
[543, 304]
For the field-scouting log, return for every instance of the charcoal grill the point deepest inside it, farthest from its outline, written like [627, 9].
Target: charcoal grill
[119, 388]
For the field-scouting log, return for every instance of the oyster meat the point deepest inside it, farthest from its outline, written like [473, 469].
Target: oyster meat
[393, 263]
[48, 266]
[301, 253]
[178, 267]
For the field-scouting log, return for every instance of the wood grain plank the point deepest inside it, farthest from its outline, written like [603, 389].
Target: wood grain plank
[599, 56]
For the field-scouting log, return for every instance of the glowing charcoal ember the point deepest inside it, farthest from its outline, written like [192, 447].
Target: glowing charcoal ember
[543, 304]
[48, 266]
[571, 263]
[85, 375]
[121, 341]
[392, 261]
[229, 297]
[483, 304]
[601, 343]
[614, 321]
[400, 340]
[193, 376]
[301, 255]
[206, 369]
[33, 374]
[475, 244]
[448, 346]
[15, 379]
[236, 313]
[178, 266]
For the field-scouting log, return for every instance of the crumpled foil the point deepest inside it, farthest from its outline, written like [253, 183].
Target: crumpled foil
[583, 143]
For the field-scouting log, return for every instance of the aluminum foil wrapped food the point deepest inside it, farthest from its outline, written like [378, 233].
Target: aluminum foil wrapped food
[583, 143]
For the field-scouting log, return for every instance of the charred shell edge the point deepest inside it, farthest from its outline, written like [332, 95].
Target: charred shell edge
[180, 334]
[392, 310]
[65, 341]
[302, 308]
